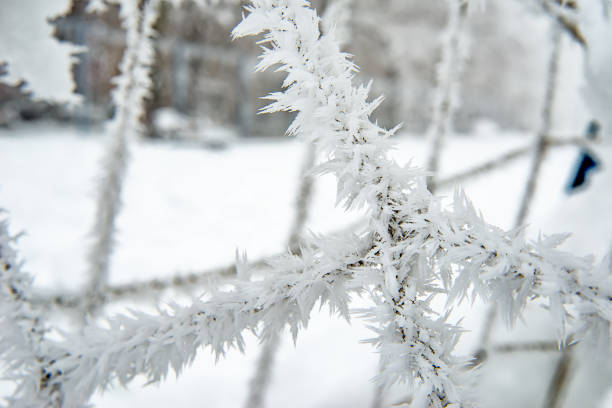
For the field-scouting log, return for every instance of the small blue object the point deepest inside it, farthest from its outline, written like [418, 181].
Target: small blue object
[587, 164]
[587, 161]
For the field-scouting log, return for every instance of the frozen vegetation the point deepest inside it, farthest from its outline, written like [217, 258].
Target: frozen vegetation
[421, 270]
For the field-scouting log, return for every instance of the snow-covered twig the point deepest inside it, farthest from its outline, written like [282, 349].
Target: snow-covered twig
[318, 88]
[545, 128]
[560, 377]
[445, 100]
[151, 345]
[564, 14]
[506, 159]
[265, 363]
[99, 6]
[22, 347]
[527, 346]
[148, 290]
[336, 16]
[303, 200]
[555, 392]
[209, 3]
[540, 148]
[263, 372]
[132, 87]
[538, 152]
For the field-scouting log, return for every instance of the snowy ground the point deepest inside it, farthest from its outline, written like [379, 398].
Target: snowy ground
[186, 208]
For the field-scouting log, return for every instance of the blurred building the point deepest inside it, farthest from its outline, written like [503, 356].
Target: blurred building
[207, 80]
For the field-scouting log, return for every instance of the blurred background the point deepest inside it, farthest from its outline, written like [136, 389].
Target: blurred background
[204, 83]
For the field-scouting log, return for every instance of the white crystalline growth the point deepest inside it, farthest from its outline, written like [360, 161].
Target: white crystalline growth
[32, 53]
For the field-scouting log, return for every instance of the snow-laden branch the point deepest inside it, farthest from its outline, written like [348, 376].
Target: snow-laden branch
[261, 379]
[415, 345]
[540, 146]
[265, 362]
[100, 6]
[507, 158]
[189, 281]
[147, 290]
[335, 18]
[408, 240]
[151, 345]
[22, 347]
[303, 200]
[446, 96]
[132, 87]
[504, 267]
[564, 12]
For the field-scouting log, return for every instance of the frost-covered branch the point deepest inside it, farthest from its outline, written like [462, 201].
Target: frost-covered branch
[540, 147]
[265, 362]
[260, 381]
[560, 377]
[333, 112]
[526, 347]
[414, 345]
[151, 345]
[564, 12]
[23, 350]
[98, 6]
[335, 19]
[512, 271]
[445, 100]
[148, 290]
[304, 199]
[558, 383]
[538, 152]
[132, 87]
[506, 159]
